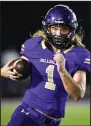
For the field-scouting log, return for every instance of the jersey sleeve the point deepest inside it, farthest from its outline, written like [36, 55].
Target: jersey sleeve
[83, 56]
[25, 48]
[28, 46]
[86, 63]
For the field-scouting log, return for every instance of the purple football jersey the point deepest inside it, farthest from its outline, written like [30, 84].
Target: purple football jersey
[46, 91]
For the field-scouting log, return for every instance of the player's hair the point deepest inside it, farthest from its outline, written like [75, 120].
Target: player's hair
[39, 33]
[77, 38]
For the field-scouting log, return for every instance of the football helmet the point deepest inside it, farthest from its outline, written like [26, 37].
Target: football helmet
[60, 15]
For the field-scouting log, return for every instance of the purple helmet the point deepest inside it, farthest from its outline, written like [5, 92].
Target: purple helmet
[60, 15]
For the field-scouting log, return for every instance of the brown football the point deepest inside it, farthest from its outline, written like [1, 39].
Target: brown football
[22, 67]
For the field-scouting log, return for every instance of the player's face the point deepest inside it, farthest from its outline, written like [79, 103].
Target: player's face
[59, 30]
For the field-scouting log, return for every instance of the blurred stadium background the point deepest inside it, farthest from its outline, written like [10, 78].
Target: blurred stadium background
[18, 19]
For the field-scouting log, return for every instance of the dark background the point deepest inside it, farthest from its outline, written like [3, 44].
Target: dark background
[19, 18]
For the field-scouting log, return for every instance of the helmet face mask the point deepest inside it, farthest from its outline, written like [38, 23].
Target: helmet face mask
[60, 16]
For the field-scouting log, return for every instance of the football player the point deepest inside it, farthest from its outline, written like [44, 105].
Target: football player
[59, 65]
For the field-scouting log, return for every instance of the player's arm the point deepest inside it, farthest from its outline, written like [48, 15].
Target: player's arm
[74, 86]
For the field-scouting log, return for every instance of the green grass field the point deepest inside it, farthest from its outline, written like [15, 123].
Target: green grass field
[77, 113]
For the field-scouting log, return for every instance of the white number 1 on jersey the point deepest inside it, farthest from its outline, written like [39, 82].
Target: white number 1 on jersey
[50, 84]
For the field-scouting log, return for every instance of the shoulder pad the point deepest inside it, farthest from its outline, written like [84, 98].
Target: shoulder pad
[82, 51]
[31, 43]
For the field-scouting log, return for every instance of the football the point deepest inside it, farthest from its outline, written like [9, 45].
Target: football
[23, 68]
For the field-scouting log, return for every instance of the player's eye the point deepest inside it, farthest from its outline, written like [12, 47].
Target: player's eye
[53, 28]
[65, 31]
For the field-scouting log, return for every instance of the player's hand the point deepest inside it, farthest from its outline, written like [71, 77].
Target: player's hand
[60, 61]
[6, 71]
